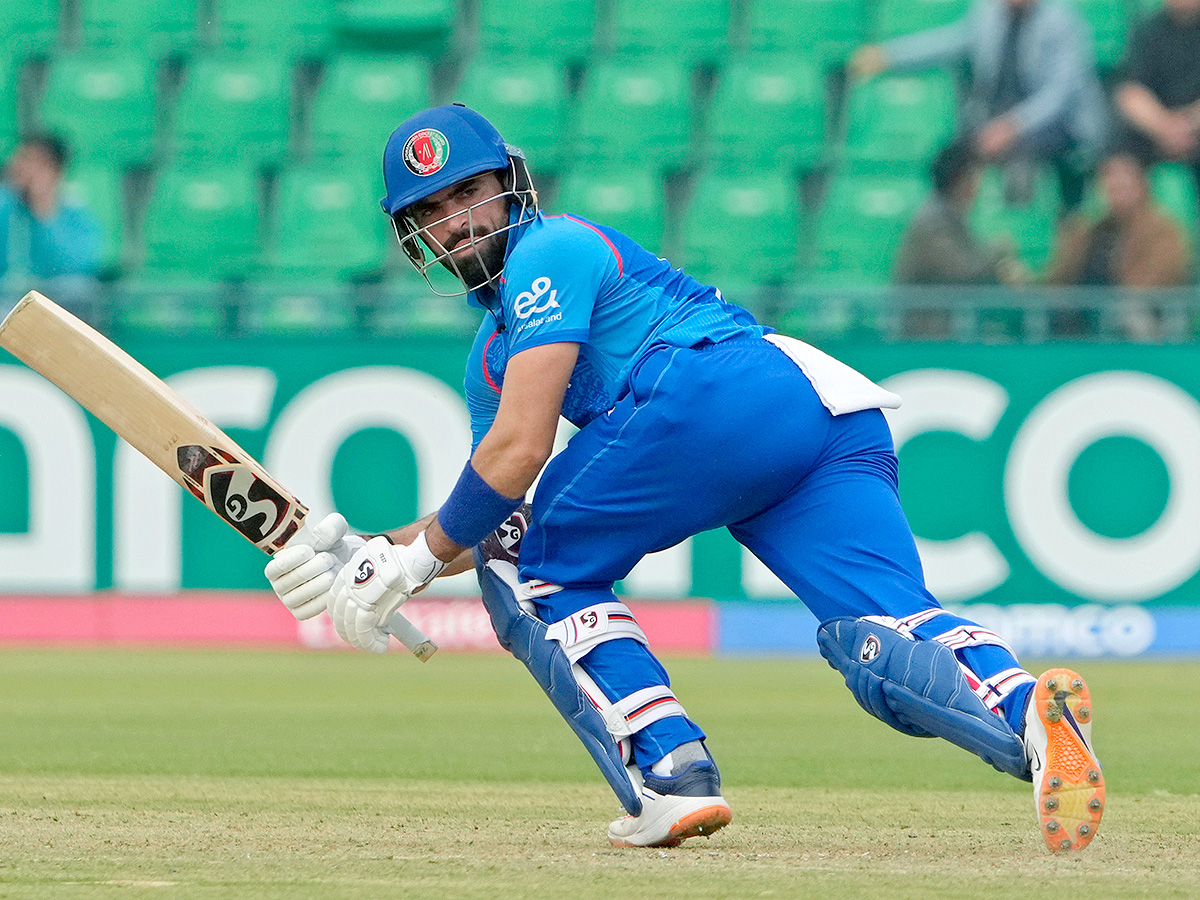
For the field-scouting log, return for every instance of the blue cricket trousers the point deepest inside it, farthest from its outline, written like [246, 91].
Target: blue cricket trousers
[727, 435]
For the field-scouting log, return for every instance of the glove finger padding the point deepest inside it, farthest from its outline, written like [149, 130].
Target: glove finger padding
[300, 577]
[358, 627]
[286, 560]
[329, 531]
[367, 634]
[302, 565]
[311, 598]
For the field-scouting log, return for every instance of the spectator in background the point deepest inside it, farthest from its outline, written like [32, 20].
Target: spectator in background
[1134, 244]
[939, 247]
[47, 241]
[1159, 95]
[1033, 95]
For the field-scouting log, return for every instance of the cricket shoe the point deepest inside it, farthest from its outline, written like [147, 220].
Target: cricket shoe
[675, 808]
[1068, 784]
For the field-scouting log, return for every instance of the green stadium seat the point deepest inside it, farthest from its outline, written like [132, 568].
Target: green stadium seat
[828, 29]
[694, 30]
[1110, 24]
[303, 27]
[328, 223]
[103, 103]
[30, 28]
[298, 308]
[203, 222]
[101, 189]
[901, 117]
[1174, 188]
[862, 221]
[361, 100]
[897, 17]
[527, 101]
[636, 112]
[234, 108]
[406, 307]
[154, 307]
[415, 25]
[548, 29]
[1029, 226]
[742, 229]
[629, 200]
[768, 110]
[153, 27]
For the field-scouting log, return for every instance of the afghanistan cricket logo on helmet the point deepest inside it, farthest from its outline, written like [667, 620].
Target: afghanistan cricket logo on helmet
[426, 151]
[433, 150]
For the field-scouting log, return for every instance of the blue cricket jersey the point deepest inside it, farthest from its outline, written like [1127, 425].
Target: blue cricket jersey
[567, 279]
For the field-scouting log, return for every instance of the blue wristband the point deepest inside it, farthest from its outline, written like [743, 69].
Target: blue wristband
[474, 509]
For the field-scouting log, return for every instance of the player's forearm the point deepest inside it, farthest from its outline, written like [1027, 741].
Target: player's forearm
[501, 471]
[1142, 108]
[458, 559]
[511, 464]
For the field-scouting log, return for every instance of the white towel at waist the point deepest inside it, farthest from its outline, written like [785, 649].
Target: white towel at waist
[841, 388]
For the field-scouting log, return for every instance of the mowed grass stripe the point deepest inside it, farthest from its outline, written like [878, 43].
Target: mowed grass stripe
[269, 774]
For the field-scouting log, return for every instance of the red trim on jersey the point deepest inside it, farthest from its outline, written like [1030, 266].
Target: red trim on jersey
[611, 246]
[486, 374]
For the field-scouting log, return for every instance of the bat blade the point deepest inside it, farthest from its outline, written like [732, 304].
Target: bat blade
[162, 426]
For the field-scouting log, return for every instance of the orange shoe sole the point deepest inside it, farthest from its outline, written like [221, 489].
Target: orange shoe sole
[700, 823]
[1070, 797]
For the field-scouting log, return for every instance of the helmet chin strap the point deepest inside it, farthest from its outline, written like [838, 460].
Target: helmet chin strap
[417, 241]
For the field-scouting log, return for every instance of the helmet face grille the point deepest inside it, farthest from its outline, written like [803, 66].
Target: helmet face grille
[417, 242]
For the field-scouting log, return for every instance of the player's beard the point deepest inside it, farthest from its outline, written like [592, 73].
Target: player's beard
[484, 264]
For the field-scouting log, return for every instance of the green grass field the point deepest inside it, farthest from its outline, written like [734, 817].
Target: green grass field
[307, 775]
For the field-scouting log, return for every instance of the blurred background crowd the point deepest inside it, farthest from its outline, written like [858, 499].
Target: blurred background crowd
[997, 170]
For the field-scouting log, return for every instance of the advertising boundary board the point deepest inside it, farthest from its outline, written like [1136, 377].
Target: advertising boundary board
[1053, 488]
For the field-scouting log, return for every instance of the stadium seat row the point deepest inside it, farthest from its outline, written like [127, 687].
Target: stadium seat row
[735, 229]
[606, 140]
[572, 29]
[765, 109]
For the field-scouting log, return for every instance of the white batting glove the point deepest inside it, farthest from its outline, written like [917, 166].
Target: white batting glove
[368, 589]
[301, 574]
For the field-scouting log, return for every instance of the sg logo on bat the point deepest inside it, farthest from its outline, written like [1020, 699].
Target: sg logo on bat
[238, 495]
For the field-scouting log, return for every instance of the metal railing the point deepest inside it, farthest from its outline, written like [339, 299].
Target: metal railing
[812, 312]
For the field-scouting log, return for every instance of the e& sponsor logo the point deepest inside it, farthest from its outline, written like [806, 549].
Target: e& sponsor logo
[426, 152]
[538, 299]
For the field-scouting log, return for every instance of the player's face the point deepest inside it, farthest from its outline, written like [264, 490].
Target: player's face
[464, 225]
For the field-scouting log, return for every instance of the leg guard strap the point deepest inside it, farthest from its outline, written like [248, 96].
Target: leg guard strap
[918, 687]
[994, 690]
[525, 637]
[578, 633]
[631, 714]
[962, 636]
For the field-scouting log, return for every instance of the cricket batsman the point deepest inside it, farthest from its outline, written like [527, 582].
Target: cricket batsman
[691, 416]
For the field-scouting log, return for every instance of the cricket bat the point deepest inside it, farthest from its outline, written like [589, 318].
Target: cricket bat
[166, 429]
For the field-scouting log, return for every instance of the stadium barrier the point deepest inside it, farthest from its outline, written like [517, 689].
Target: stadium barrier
[1056, 476]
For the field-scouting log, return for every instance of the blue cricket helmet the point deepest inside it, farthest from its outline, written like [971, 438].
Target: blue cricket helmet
[434, 150]
[437, 148]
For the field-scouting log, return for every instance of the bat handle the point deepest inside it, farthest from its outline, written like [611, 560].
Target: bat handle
[411, 637]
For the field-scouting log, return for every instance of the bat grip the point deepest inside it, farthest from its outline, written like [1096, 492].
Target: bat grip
[411, 637]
